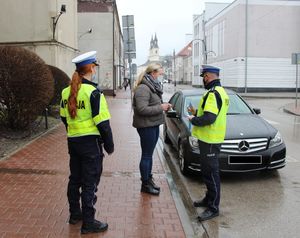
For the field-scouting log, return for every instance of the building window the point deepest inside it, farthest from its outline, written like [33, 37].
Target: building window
[196, 49]
[221, 37]
[196, 70]
[196, 30]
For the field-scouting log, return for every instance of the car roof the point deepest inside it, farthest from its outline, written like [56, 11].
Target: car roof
[192, 92]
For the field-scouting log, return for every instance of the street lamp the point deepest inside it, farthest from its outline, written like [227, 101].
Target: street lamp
[205, 52]
[89, 31]
[55, 19]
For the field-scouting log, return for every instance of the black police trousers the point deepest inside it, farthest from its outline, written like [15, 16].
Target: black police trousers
[86, 158]
[210, 173]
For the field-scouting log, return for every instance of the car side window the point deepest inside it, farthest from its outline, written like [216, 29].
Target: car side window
[177, 106]
[174, 99]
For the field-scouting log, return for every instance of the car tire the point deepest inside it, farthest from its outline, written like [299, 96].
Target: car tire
[183, 165]
[165, 135]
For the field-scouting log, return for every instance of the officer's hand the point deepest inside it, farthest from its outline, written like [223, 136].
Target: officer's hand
[190, 117]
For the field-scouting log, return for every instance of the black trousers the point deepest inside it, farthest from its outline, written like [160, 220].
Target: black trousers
[86, 158]
[210, 173]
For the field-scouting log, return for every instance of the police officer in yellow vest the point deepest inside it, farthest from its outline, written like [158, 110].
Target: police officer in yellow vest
[85, 114]
[209, 126]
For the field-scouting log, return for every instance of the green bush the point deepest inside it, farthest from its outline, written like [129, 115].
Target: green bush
[26, 86]
[61, 81]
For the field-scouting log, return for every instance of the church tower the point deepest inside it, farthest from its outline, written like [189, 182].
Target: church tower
[154, 49]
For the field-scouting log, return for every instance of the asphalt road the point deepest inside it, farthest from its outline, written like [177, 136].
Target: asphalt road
[258, 204]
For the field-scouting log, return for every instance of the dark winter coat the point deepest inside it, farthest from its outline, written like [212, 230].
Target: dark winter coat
[147, 106]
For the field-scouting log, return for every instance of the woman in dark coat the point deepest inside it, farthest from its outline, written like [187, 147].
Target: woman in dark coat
[148, 115]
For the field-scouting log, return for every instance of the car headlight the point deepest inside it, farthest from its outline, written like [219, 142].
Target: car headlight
[193, 142]
[277, 140]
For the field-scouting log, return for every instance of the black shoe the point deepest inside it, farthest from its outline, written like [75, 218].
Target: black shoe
[200, 203]
[74, 219]
[151, 181]
[148, 188]
[94, 227]
[207, 214]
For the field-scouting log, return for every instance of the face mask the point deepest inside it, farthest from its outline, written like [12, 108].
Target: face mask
[160, 78]
[93, 78]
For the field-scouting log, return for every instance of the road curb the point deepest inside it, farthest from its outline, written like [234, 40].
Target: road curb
[177, 196]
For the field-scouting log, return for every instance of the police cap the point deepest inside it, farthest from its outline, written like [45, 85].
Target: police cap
[209, 69]
[86, 58]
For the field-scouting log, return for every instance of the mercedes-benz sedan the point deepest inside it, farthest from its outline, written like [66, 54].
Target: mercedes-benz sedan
[251, 143]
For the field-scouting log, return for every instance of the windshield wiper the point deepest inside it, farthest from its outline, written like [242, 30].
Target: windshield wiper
[234, 113]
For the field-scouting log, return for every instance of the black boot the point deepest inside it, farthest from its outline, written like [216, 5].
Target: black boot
[201, 203]
[151, 181]
[75, 218]
[93, 227]
[148, 188]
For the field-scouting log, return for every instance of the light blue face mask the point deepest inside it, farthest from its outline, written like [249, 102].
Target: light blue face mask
[160, 79]
[93, 78]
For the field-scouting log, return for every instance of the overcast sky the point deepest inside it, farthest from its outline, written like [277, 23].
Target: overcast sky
[169, 19]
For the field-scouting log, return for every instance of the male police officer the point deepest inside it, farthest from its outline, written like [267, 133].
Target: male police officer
[85, 113]
[209, 126]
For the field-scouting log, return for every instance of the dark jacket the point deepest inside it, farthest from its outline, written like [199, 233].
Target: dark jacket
[147, 106]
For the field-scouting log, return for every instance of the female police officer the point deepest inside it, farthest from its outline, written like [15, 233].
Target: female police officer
[85, 113]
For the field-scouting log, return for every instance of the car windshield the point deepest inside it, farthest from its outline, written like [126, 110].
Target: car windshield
[236, 104]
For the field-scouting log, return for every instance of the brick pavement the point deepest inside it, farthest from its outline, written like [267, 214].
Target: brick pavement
[33, 183]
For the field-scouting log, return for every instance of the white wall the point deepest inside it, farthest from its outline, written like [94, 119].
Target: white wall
[100, 40]
[264, 73]
[273, 35]
[28, 24]
[30, 20]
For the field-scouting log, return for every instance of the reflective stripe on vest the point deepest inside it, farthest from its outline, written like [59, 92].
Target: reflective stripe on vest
[83, 124]
[214, 133]
[104, 112]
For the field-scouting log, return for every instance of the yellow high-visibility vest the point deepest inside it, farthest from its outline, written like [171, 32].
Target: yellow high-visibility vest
[214, 133]
[83, 124]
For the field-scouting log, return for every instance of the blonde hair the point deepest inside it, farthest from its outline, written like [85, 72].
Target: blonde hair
[153, 67]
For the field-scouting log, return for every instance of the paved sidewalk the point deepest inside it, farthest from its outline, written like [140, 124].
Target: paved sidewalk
[33, 183]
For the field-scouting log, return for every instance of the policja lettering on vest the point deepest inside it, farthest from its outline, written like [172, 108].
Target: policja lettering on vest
[80, 104]
[209, 127]
[85, 114]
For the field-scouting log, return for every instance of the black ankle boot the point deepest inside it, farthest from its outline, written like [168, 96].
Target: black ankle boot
[148, 188]
[93, 227]
[151, 181]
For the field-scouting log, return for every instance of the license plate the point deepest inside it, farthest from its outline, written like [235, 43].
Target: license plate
[245, 159]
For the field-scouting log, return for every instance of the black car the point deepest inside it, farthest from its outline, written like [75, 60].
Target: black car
[251, 143]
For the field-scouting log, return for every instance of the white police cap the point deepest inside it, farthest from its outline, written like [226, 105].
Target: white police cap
[86, 58]
[210, 69]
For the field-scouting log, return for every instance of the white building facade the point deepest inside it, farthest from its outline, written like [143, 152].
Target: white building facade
[183, 66]
[253, 43]
[29, 24]
[106, 38]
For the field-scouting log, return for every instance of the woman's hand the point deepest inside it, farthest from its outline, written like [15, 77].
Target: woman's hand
[166, 106]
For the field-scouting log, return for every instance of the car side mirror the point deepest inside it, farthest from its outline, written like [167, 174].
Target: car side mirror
[257, 110]
[172, 114]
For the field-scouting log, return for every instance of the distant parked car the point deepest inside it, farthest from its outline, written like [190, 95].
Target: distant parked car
[251, 143]
[165, 81]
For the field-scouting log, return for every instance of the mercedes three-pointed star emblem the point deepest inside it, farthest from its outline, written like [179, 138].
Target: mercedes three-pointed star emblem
[244, 146]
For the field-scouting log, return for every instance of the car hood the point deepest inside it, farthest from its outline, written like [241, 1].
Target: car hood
[241, 126]
[248, 126]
